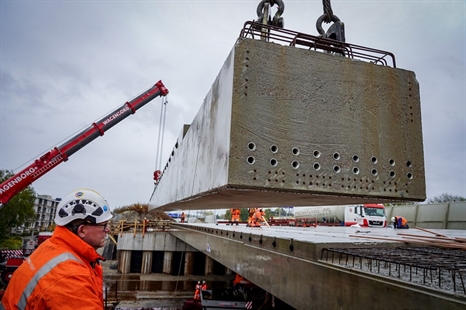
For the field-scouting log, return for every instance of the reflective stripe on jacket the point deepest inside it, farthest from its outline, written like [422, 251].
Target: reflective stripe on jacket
[62, 273]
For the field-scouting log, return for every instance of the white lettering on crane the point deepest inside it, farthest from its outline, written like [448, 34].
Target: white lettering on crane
[111, 118]
[5, 187]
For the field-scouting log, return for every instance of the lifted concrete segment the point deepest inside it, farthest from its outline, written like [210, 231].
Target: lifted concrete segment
[287, 126]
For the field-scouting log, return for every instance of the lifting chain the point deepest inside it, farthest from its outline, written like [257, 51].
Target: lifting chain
[263, 13]
[337, 30]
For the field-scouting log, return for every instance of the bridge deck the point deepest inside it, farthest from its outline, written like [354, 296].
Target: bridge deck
[328, 267]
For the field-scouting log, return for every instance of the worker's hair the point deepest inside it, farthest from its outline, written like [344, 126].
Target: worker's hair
[74, 225]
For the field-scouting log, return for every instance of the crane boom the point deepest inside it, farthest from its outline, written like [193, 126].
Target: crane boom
[59, 154]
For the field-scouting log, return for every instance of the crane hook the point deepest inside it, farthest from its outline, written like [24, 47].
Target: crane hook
[336, 30]
[277, 19]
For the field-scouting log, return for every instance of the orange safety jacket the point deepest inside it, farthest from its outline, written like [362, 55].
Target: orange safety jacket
[258, 216]
[63, 273]
[235, 214]
[197, 292]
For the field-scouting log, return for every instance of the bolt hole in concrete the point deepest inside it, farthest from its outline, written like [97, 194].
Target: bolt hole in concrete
[316, 154]
[336, 169]
[392, 173]
[355, 158]
[273, 162]
[409, 175]
[251, 146]
[391, 162]
[295, 151]
[336, 156]
[356, 170]
[274, 149]
[409, 164]
[374, 172]
[295, 164]
[316, 166]
[251, 160]
[374, 159]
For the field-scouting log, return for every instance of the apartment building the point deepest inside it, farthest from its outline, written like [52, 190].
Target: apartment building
[45, 207]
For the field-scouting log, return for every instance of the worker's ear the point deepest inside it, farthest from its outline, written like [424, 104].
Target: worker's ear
[81, 231]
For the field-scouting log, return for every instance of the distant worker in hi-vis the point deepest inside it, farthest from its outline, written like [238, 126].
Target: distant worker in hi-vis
[235, 213]
[258, 218]
[197, 291]
[400, 222]
[251, 212]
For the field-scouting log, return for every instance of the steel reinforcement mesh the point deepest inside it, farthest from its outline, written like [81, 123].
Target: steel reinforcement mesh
[434, 267]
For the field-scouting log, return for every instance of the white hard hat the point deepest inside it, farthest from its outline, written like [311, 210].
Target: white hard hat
[84, 204]
[393, 218]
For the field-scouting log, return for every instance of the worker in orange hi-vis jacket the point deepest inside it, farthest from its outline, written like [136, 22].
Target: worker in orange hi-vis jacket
[235, 215]
[251, 212]
[400, 222]
[64, 272]
[258, 217]
[204, 286]
[197, 291]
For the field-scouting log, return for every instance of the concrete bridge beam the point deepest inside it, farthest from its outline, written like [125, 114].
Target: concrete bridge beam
[292, 271]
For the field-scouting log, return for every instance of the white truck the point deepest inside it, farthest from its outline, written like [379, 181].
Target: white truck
[367, 215]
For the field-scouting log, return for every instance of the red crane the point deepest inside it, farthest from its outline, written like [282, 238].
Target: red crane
[59, 154]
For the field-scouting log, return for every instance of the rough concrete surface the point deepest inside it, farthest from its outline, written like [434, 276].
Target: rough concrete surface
[287, 126]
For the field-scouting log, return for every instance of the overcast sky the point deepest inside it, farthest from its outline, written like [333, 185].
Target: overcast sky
[65, 64]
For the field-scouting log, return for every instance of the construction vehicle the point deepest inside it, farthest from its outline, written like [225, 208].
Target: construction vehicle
[367, 215]
[14, 259]
[9, 267]
[57, 155]
[44, 235]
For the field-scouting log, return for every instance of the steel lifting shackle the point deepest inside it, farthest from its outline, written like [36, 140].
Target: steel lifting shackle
[277, 19]
[337, 30]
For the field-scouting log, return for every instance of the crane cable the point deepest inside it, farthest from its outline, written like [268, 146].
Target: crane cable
[158, 158]
[328, 12]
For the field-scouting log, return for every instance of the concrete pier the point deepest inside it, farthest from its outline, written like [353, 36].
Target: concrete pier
[167, 262]
[188, 263]
[125, 261]
[146, 262]
[209, 265]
